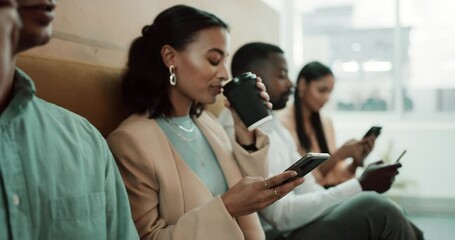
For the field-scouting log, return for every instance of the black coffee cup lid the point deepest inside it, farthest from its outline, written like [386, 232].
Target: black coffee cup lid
[237, 80]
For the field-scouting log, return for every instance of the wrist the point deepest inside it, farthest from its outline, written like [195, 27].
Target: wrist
[245, 137]
[249, 147]
[365, 184]
[338, 156]
[226, 204]
[352, 167]
[362, 184]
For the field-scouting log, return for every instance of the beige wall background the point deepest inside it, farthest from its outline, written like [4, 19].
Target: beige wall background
[100, 32]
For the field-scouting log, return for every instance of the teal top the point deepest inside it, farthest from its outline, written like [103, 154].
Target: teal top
[58, 179]
[193, 147]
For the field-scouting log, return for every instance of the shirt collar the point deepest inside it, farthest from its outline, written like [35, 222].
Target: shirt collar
[23, 93]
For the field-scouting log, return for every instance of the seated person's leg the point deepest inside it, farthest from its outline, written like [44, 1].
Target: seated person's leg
[365, 216]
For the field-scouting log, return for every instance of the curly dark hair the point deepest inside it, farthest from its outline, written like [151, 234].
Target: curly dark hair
[145, 84]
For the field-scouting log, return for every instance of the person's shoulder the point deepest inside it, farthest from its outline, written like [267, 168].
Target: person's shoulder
[209, 121]
[325, 119]
[136, 129]
[207, 118]
[286, 117]
[135, 123]
[225, 118]
[66, 125]
[57, 114]
[287, 112]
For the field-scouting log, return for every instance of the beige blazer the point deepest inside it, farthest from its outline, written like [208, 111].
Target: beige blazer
[168, 200]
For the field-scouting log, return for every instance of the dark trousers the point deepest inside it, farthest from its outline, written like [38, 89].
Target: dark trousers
[366, 216]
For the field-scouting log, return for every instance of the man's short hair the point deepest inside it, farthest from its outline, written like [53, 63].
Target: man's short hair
[249, 55]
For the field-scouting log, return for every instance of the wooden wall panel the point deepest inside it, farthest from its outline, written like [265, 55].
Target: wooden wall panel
[101, 31]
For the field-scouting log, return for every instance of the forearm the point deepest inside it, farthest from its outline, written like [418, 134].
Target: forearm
[330, 163]
[192, 225]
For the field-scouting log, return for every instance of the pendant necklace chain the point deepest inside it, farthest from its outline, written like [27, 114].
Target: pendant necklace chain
[176, 128]
[188, 130]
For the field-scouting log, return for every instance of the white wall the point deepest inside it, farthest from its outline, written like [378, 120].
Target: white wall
[429, 166]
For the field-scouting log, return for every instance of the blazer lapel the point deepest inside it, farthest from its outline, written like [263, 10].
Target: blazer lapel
[193, 189]
[221, 146]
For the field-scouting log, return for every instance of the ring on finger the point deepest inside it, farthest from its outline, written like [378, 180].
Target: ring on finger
[275, 193]
[265, 183]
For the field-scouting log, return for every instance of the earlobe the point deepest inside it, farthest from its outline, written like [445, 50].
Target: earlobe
[168, 54]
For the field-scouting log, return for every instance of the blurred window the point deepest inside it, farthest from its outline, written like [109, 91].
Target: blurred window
[387, 55]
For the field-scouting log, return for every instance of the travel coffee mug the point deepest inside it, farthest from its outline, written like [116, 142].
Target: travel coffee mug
[245, 98]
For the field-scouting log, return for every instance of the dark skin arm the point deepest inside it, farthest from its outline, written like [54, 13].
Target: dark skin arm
[356, 149]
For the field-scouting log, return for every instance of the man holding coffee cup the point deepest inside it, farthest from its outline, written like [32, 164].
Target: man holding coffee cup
[351, 210]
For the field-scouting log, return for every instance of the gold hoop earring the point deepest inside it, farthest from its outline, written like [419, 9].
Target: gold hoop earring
[172, 77]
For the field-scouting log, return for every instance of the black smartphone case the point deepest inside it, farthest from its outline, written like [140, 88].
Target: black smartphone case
[306, 164]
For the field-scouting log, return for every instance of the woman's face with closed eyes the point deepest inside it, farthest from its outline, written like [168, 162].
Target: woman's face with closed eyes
[316, 93]
[201, 67]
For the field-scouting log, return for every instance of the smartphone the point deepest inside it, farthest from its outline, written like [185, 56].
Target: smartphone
[375, 130]
[306, 164]
[398, 159]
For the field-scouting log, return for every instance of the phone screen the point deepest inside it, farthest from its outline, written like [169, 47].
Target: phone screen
[375, 130]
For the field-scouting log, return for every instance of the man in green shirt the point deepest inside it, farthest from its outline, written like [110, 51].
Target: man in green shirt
[58, 179]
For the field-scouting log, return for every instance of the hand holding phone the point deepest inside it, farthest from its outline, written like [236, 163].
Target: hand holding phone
[378, 176]
[306, 164]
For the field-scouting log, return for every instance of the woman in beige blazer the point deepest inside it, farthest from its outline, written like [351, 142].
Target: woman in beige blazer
[313, 132]
[185, 180]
